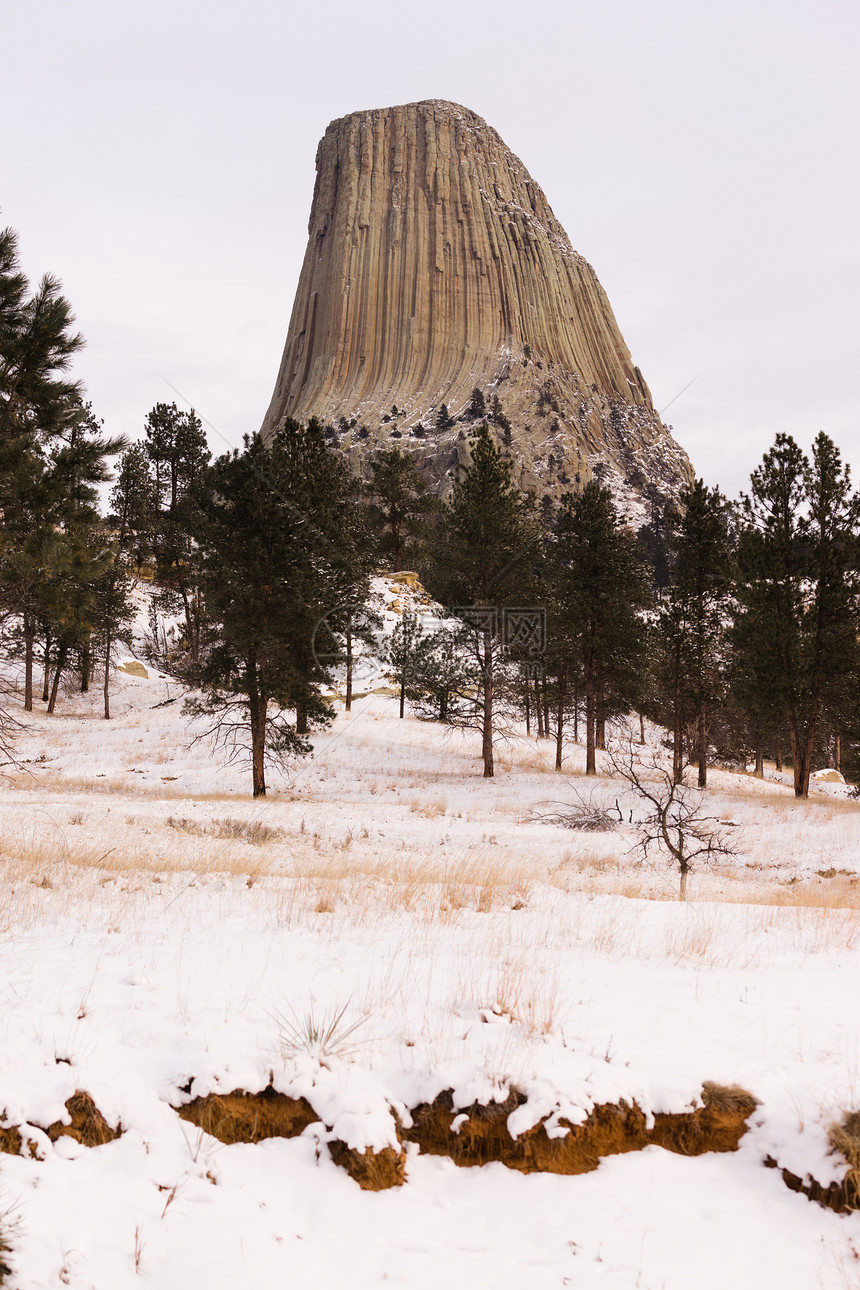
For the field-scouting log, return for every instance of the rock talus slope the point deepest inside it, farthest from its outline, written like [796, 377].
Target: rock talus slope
[434, 266]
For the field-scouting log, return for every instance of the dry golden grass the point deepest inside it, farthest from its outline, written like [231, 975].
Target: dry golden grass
[511, 989]
[430, 810]
[779, 798]
[845, 1138]
[115, 784]
[835, 894]
[253, 831]
[535, 759]
[37, 856]
[693, 944]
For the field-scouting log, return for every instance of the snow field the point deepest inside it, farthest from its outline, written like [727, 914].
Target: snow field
[160, 927]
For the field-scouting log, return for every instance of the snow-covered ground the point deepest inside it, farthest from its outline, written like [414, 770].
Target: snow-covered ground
[164, 936]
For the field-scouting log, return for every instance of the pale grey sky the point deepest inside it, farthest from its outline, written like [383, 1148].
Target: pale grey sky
[159, 157]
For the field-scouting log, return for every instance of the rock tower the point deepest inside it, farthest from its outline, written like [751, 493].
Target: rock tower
[435, 267]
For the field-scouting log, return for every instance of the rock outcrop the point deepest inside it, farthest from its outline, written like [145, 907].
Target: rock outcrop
[435, 267]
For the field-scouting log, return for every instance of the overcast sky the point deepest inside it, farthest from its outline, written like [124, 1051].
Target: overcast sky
[159, 157]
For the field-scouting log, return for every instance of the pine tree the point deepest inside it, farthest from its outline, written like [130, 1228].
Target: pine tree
[37, 345]
[410, 652]
[443, 686]
[53, 456]
[597, 636]
[53, 543]
[444, 420]
[68, 595]
[483, 558]
[78, 464]
[113, 611]
[336, 586]
[134, 503]
[798, 590]
[693, 616]
[399, 505]
[279, 544]
[176, 447]
[653, 539]
[497, 417]
[477, 406]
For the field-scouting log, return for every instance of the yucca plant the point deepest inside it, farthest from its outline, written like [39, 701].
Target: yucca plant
[323, 1035]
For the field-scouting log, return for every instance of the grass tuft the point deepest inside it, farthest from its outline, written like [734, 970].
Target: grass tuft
[728, 1099]
[5, 1250]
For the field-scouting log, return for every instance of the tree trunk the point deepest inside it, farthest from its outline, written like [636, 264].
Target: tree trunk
[807, 759]
[677, 744]
[257, 705]
[58, 670]
[45, 691]
[348, 704]
[600, 733]
[29, 643]
[545, 696]
[402, 694]
[538, 711]
[837, 753]
[487, 716]
[191, 608]
[759, 762]
[576, 714]
[194, 626]
[641, 730]
[801, 754]
[590, 705]
[702, 733]
[85, 668]
[528, 707]
[683, 866]
[108, 647]
[559, 722]
[301, 710]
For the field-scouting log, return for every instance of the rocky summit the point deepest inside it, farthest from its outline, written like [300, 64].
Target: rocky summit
[434, 268]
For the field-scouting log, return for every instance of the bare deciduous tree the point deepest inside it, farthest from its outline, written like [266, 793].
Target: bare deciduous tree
[675, 821]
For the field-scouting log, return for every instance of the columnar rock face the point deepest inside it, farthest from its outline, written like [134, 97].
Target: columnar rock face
[435, 267]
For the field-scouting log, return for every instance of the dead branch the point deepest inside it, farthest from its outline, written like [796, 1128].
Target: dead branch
[586, 814]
